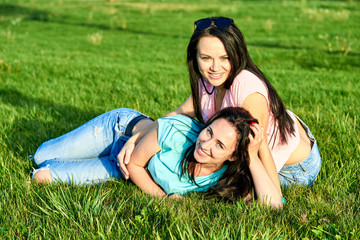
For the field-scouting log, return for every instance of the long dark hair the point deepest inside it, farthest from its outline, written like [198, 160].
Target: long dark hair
[239, 58]
[236, 182]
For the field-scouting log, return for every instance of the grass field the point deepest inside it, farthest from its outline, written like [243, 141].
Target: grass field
[65, 62]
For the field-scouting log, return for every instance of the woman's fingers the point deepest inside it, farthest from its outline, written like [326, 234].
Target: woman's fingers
[256, 140]
[124, 158]
[121, 164]
[258, 132]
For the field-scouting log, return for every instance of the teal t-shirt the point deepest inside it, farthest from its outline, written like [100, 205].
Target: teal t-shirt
[175, 135]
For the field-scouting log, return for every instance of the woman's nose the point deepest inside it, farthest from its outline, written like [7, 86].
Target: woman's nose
[206, 144]
[215, 66]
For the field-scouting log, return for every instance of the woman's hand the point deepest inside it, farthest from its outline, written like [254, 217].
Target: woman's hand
[124, 157]
[176, 196]
[256, 140]
[127, 150]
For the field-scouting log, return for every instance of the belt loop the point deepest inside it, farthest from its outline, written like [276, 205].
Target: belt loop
[303, 166]
[121, 123]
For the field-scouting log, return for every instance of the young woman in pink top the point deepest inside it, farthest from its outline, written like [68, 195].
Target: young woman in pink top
[222, 74]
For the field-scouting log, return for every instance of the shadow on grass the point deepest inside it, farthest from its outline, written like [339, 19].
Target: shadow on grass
[292, 47]
[12, 10]
[47, 16]
[312, 58]
[41, 121]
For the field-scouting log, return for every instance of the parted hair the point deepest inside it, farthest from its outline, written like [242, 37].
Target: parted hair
[236, 182]
[239, 58]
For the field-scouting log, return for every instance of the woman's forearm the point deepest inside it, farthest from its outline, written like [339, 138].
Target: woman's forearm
[144, 150]
[269, 164]
[143, 180]
[265, 189]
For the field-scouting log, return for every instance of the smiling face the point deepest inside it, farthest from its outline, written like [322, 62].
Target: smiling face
[216, 144]
[213, 60]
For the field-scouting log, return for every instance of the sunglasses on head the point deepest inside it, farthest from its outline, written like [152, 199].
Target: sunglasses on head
[220, 22]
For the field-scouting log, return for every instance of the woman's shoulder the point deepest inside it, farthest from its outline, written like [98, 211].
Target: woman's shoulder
[246, 83]
[246, 76]
[179, 120]
[178, 126]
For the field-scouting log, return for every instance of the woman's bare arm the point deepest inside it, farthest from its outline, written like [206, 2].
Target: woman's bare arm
[257, 105]
[125, 154]
[187, 108]
[128, 148]
[265, 189]
[144, 150]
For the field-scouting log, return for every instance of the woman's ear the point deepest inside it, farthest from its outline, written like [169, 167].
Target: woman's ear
[232, 159]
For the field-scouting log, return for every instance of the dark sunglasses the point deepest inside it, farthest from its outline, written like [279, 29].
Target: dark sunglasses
[220, 22]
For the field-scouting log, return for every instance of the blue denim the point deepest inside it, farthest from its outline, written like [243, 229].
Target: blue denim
[303, 173]
[88, 153]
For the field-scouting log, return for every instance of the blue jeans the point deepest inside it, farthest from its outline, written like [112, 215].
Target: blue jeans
[88, 153]
[303, 173]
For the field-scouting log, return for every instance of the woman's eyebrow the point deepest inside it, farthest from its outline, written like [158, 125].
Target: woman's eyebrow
[208, 55]
[217, 140]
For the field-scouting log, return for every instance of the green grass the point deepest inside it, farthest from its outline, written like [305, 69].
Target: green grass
[64, 62]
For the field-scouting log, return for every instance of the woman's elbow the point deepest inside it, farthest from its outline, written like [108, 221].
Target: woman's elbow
[131, 168]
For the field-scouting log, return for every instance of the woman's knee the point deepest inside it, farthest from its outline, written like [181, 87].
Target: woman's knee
[40, 152]
[42, 176]
[37, 159]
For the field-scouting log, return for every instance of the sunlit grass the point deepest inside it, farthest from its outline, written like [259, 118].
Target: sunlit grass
[65, 62]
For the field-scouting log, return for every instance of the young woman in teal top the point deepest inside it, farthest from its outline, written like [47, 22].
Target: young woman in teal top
[175, 136]
[177, 157]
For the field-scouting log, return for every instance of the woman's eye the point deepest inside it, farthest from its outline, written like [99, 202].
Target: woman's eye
[220, 146]
[208, 130]
[225, 58]
[205, 58]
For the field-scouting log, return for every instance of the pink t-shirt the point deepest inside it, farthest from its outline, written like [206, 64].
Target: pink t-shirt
[245, 84]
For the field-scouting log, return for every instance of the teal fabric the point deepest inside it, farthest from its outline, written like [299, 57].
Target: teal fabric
[175, 135]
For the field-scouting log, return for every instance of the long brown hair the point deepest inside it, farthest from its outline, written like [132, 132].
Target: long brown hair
[239, 58]
[236, 181]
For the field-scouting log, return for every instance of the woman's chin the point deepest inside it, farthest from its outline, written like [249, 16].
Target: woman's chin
[198, 156]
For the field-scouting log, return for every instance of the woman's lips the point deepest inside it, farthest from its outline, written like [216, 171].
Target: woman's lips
[216, 75]
[201, 152]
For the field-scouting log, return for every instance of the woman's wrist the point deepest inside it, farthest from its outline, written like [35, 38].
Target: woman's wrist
[132, 139]
[254, 159]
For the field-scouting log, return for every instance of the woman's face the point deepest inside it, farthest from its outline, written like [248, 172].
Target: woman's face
[216, 144]
[213, 60]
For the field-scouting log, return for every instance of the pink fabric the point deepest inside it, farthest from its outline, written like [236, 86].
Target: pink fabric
[245, 84]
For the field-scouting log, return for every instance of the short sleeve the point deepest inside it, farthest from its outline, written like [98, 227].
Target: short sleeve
[177, 132]
[245, 84]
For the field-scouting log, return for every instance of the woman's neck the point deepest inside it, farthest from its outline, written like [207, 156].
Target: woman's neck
[219, 94]
[205, 169]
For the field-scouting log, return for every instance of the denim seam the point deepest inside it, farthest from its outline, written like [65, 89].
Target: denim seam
[79, 160]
